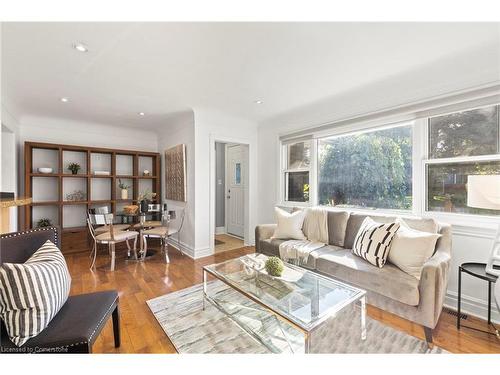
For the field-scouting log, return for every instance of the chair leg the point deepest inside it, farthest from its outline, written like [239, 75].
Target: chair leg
[94, 253]
[144, 249]
[128, 248]
[135, 248]
[165, 249]
[112, 249]
[116, 327]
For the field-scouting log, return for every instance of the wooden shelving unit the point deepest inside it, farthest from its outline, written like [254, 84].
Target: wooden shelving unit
[49, 190]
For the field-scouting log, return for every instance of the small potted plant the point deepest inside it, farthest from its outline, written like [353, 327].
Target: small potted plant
[44, 222]
[74, 168]
[124, 189]
[144, 198]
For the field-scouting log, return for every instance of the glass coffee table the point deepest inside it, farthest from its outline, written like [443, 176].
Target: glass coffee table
[300, 303]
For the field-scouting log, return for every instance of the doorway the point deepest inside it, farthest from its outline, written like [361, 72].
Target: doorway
[230, 189]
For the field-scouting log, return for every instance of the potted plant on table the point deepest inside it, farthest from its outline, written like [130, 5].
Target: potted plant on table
[145, 198]
[124, 189]
[74, 168]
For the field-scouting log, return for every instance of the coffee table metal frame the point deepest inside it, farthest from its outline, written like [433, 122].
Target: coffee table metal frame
[361, 296]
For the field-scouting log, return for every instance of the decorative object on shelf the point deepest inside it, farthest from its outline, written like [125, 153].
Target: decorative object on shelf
[131, 210]
[124, 189]
[102, 173]
[144, 198]
[274, 266]
[76, 196]
[74, 168]
[175, 173]
[146, 173]
[483, 191]
[45, 170]
[43, 222]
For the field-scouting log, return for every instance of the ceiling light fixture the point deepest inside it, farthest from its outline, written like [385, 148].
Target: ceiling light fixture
[141, 114]
[80, 47]
[64, 100]
[258, 101]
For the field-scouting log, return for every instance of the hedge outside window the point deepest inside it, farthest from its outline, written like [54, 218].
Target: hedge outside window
[367, 170]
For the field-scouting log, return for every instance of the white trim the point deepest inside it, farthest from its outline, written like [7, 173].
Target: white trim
[185, 248]
[203, 252]
[220, 230]
[472, 306]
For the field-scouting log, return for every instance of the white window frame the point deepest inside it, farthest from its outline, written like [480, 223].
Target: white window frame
[284, 170]
[451, 217]
[420, 160]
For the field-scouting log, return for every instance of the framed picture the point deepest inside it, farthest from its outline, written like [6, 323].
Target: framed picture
[175, 173]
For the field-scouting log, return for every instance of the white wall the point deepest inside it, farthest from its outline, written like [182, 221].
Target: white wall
[211, 126]
[10, 159]
[179, 129]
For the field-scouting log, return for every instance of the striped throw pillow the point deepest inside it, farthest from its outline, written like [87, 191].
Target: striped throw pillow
[32, 293]
[373, 241]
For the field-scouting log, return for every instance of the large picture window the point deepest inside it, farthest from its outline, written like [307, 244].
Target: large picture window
[367, 170]
[422, 165]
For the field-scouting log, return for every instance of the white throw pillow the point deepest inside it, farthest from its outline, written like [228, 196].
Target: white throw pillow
[289, 225]
[411, 248]
[373, 241]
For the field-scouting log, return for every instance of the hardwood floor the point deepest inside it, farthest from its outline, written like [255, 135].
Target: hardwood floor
[227, 243]
[139, 281]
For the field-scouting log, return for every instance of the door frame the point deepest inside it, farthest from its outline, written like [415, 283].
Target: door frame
[228, 140]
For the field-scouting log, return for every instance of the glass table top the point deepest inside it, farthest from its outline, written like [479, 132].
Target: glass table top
[302, 297]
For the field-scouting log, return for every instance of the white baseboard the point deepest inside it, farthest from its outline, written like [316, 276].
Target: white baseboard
[185, 248]
[473, 306]
[203, 252]
[220, 230]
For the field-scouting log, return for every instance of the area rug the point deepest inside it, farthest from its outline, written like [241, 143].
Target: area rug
[194, 330]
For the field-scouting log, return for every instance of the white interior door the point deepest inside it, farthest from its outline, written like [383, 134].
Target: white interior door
[235, 190]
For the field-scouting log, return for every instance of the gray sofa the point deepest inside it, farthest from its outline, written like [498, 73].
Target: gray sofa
[388, 288]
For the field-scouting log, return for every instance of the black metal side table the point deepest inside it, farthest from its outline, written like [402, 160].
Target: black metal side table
[477, 270]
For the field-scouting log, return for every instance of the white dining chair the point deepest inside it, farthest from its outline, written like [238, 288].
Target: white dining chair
[171, 228]
[109, 238]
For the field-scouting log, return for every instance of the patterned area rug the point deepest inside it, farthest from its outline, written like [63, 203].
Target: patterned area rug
[194, 330]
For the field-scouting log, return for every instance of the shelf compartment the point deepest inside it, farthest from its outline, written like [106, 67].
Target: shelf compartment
[144, 184]
[74, 216]
[100, 189]
[79, 157]
[124, 165]
[50, 212]
[118, 191]
[45, 189]
[45, 158]
[100, 162]
[145, 163]
[71, 185]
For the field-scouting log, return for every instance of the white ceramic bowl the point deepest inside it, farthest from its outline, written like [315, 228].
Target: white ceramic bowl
[45, 170]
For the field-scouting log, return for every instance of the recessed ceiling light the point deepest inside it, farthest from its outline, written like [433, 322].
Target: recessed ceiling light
[64, 100]
[80, 47]
[258, 101]
[141, 114]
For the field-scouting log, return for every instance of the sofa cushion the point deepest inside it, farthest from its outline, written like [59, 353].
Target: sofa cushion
[289, 225]
[337, 223]
[355, 220]
[272, 248]
[389, 281]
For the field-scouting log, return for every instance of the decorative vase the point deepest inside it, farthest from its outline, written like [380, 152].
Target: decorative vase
[74, 172]
[144, 206]
[124, 194]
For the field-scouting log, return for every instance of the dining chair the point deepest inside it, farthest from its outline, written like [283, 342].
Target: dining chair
[163, 233]
[104, 210]
[110, 238]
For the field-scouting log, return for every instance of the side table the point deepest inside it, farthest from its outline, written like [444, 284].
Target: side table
[476, 270]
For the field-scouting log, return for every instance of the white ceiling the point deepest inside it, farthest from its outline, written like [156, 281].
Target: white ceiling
[162, 68]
